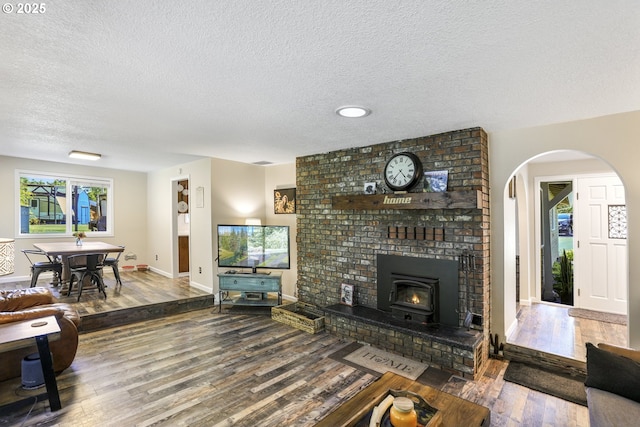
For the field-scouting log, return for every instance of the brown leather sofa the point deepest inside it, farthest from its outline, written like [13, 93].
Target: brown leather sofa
[33, 303]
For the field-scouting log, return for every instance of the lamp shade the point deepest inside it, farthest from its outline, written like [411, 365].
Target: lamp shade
[7, 256]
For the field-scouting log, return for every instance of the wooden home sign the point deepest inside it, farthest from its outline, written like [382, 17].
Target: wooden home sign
[470, 199]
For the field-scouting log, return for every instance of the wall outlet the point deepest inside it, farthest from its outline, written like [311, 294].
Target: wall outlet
[200, 270]
[156, 257]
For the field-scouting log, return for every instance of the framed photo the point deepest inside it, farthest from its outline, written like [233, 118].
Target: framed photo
[346, 294]
[436, 181]
[370, 188]
[284, 201]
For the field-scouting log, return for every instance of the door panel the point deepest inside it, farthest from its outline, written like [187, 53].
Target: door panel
[619, 273]
[599, 288]
[600, 261]
[183, 254]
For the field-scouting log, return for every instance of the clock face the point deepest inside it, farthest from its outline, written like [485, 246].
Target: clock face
[402, 171]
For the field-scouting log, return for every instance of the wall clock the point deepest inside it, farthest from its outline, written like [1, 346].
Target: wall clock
[402, 171]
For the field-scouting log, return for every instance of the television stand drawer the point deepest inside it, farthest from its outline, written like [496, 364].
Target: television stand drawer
[253, 289]
[250, 282]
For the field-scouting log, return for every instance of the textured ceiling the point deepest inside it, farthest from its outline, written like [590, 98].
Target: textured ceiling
[150, 84]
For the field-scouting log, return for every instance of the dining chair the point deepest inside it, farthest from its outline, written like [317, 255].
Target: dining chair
[113, 263]
[37, 267]
[86, 267]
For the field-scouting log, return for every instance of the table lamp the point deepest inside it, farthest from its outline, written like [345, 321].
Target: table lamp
[7, 256]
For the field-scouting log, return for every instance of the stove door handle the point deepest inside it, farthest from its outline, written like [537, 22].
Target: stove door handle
[391, 296]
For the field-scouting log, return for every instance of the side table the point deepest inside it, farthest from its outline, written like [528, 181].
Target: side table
[21, 334]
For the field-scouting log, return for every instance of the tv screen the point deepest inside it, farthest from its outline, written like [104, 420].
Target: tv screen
[253, 246]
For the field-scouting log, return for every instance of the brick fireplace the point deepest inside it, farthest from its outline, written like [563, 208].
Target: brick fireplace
[342, 236]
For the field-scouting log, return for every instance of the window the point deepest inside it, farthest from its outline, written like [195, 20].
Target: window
[63, 205]
[617, 221]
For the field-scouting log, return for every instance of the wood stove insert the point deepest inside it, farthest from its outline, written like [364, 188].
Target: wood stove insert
[414, 299]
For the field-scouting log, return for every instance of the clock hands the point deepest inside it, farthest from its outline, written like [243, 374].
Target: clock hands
[395, 178]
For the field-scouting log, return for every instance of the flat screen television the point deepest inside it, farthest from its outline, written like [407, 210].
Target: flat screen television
[254, 246]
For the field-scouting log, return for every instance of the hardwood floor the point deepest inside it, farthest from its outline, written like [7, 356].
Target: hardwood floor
[549, 328]
[205, 368]
[142, 296]
[138, 289]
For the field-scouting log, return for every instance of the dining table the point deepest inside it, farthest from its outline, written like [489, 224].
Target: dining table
[66, 249]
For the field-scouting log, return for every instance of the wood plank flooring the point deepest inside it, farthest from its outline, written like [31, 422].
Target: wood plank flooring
[205, 368]
[138, 289]
[549, 328]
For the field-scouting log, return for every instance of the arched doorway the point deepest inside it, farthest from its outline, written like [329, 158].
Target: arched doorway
[545, 190]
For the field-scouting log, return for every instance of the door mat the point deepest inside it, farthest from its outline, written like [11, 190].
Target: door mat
[618, 319]
[381, 361]
[563, 387]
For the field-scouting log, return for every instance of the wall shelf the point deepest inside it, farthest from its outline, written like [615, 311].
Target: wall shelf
[468, 199]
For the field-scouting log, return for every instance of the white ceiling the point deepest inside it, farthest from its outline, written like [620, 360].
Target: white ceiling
[150, 84]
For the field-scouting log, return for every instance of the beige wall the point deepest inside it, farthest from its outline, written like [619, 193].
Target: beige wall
[237, 193]
[130, 200]
[614, 139]
[283, 176]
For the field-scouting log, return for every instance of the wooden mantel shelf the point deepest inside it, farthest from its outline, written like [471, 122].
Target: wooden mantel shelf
[469, 199]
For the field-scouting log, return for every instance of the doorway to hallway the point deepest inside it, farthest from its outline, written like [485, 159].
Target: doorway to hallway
[570, 223]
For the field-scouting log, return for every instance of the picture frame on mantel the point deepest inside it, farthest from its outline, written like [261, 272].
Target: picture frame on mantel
[346, 294]
[370, 188]
[436, 181]
[284, 201]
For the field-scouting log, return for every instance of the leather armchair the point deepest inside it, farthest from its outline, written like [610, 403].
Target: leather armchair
[32, 303]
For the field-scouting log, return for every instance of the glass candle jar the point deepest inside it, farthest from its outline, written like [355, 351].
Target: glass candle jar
[402, 413]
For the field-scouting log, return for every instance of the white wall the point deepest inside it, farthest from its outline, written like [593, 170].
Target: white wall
[616, 140]
[162, 223]
[130, 200]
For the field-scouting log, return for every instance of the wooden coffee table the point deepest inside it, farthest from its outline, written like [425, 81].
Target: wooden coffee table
[452, 411]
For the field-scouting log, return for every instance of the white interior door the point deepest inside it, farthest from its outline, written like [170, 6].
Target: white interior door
[601, 279]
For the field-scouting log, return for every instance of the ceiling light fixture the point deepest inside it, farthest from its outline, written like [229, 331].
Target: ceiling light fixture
[84, 155]
[353, 111]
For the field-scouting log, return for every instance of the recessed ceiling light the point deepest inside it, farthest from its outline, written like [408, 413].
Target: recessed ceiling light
[353, 111]
[84, 155]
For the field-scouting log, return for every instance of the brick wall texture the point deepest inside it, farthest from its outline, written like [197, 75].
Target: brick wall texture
[340, 246]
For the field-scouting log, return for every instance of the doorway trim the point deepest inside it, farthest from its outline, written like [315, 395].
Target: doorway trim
[174, 228]
[536, 293]
[524, 218]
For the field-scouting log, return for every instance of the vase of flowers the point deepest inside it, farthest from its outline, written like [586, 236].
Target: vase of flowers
[79, 236]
